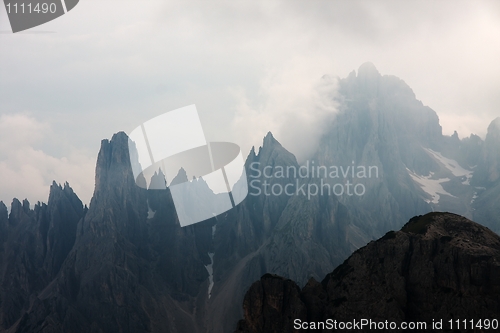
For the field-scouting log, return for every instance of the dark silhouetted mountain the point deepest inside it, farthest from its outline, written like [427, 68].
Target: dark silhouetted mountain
[132, 268]
[34, 244]
[292, 235]
[438, 266]
[124, 273]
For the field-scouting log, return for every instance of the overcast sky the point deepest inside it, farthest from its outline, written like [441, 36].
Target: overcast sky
[249, 67]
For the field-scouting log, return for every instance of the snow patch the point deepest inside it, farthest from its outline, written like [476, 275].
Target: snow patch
[151, 213]
[210, 270]
[210, 267]
[452, 165]
[474, 197]
[430, 186]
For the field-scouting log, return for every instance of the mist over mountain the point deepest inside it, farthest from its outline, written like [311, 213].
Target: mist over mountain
[383, 124]
[124, 264]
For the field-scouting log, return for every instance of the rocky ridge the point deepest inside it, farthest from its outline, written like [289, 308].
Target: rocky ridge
[438, 266]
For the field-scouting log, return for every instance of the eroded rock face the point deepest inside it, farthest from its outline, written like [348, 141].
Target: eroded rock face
[33, 245]
[290, 235]
[270, 304]
[438, 266]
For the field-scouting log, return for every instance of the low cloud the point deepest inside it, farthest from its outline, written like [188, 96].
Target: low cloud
[298, 104]
[26, 170]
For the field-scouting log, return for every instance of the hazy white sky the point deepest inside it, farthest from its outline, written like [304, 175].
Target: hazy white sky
[249, 67]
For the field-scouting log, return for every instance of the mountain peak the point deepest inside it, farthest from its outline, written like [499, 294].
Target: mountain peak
[494, 125]
[493, 137]
[3, 207]
[438, 224]
[113, 161]
[368, 79]
[180, 178]
[251, 156]
[120, 137]
[269, 136]
[4, 221]
[368, 70]
[114, 182]
[269, 143]
[448, 259]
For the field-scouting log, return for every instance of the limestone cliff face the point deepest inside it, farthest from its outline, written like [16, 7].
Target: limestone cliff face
[439, 265]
